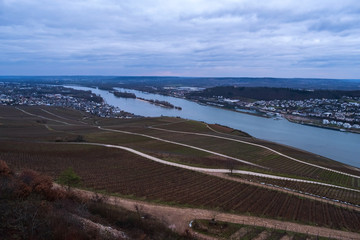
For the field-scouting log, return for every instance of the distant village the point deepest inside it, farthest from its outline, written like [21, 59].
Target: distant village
[341, 113]
[16, 94]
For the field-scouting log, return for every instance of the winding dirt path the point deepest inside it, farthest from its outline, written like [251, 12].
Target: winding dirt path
[217, 172]
[180, 144]
[178, 218]
[204, 150]
[200, 149]
[222, 155]
[61, 117]
[254, 144]
[206, 170]
[39, 116]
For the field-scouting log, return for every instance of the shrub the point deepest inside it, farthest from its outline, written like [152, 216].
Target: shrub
[30, 181]
[69, 178]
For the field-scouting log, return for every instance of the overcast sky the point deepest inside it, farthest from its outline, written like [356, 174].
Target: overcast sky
[249, 38]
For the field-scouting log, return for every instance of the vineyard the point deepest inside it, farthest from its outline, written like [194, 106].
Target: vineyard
[193, 126]
[38, 143]
[123, 173]
[311, 158]
[274, 163]
[343, 195]
[165, 151]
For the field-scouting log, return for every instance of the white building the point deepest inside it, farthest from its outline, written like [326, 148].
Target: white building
[327, 114]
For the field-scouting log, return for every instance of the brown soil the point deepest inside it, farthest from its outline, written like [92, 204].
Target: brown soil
[225, 176]
[179, 218]
[130, 175]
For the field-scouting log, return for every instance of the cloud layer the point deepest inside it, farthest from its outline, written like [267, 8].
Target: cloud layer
[278, 38]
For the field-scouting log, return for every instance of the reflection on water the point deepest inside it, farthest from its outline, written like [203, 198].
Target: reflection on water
[343, 147]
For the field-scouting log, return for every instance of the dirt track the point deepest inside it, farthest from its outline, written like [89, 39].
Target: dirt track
[200, 149]
[178, 218]
[254, 144]
[206, 170]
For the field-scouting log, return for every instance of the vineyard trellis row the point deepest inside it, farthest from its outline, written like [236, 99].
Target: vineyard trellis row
[123, 173]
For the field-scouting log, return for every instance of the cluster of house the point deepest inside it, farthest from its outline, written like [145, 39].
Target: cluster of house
[344, 112]
[26, 97]
[179, 92]
[340, 124]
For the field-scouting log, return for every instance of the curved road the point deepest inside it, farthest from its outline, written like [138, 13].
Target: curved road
[210, 170]
[257, 145]
[200, 149]
[178, 218]
[181, 144]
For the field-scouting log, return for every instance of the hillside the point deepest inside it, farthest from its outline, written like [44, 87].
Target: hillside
[175, 164]
[147, 82]
[32, 208]
[265, 93]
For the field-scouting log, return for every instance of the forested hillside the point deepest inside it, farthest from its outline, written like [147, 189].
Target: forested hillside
[265, 93]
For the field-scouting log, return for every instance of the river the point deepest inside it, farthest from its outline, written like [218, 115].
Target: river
[340, 146]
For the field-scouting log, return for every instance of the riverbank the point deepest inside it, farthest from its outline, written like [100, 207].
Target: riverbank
[166, 94]
[308, 122]
[290, 118]
[331, 144]
[259, 114]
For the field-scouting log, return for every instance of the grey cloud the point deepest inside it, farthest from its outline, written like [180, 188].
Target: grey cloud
[336, 25]
[218, 37]
[333, 61]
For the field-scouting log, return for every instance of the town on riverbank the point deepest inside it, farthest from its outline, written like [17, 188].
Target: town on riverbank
[341, 114]
[17, 94]
[339, 110]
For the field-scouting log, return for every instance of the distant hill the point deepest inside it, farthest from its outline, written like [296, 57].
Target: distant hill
[207, 82]
[265, 93]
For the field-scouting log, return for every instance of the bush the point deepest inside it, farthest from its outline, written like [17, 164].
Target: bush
[69, 178]
[33, 216]
[31, 181]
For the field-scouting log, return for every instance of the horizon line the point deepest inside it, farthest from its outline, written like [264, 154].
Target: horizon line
[161, 76]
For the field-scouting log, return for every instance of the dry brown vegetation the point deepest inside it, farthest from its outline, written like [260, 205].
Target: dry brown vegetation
[30, 208]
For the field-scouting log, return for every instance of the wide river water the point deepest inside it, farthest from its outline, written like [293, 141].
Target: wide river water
[340, 146]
